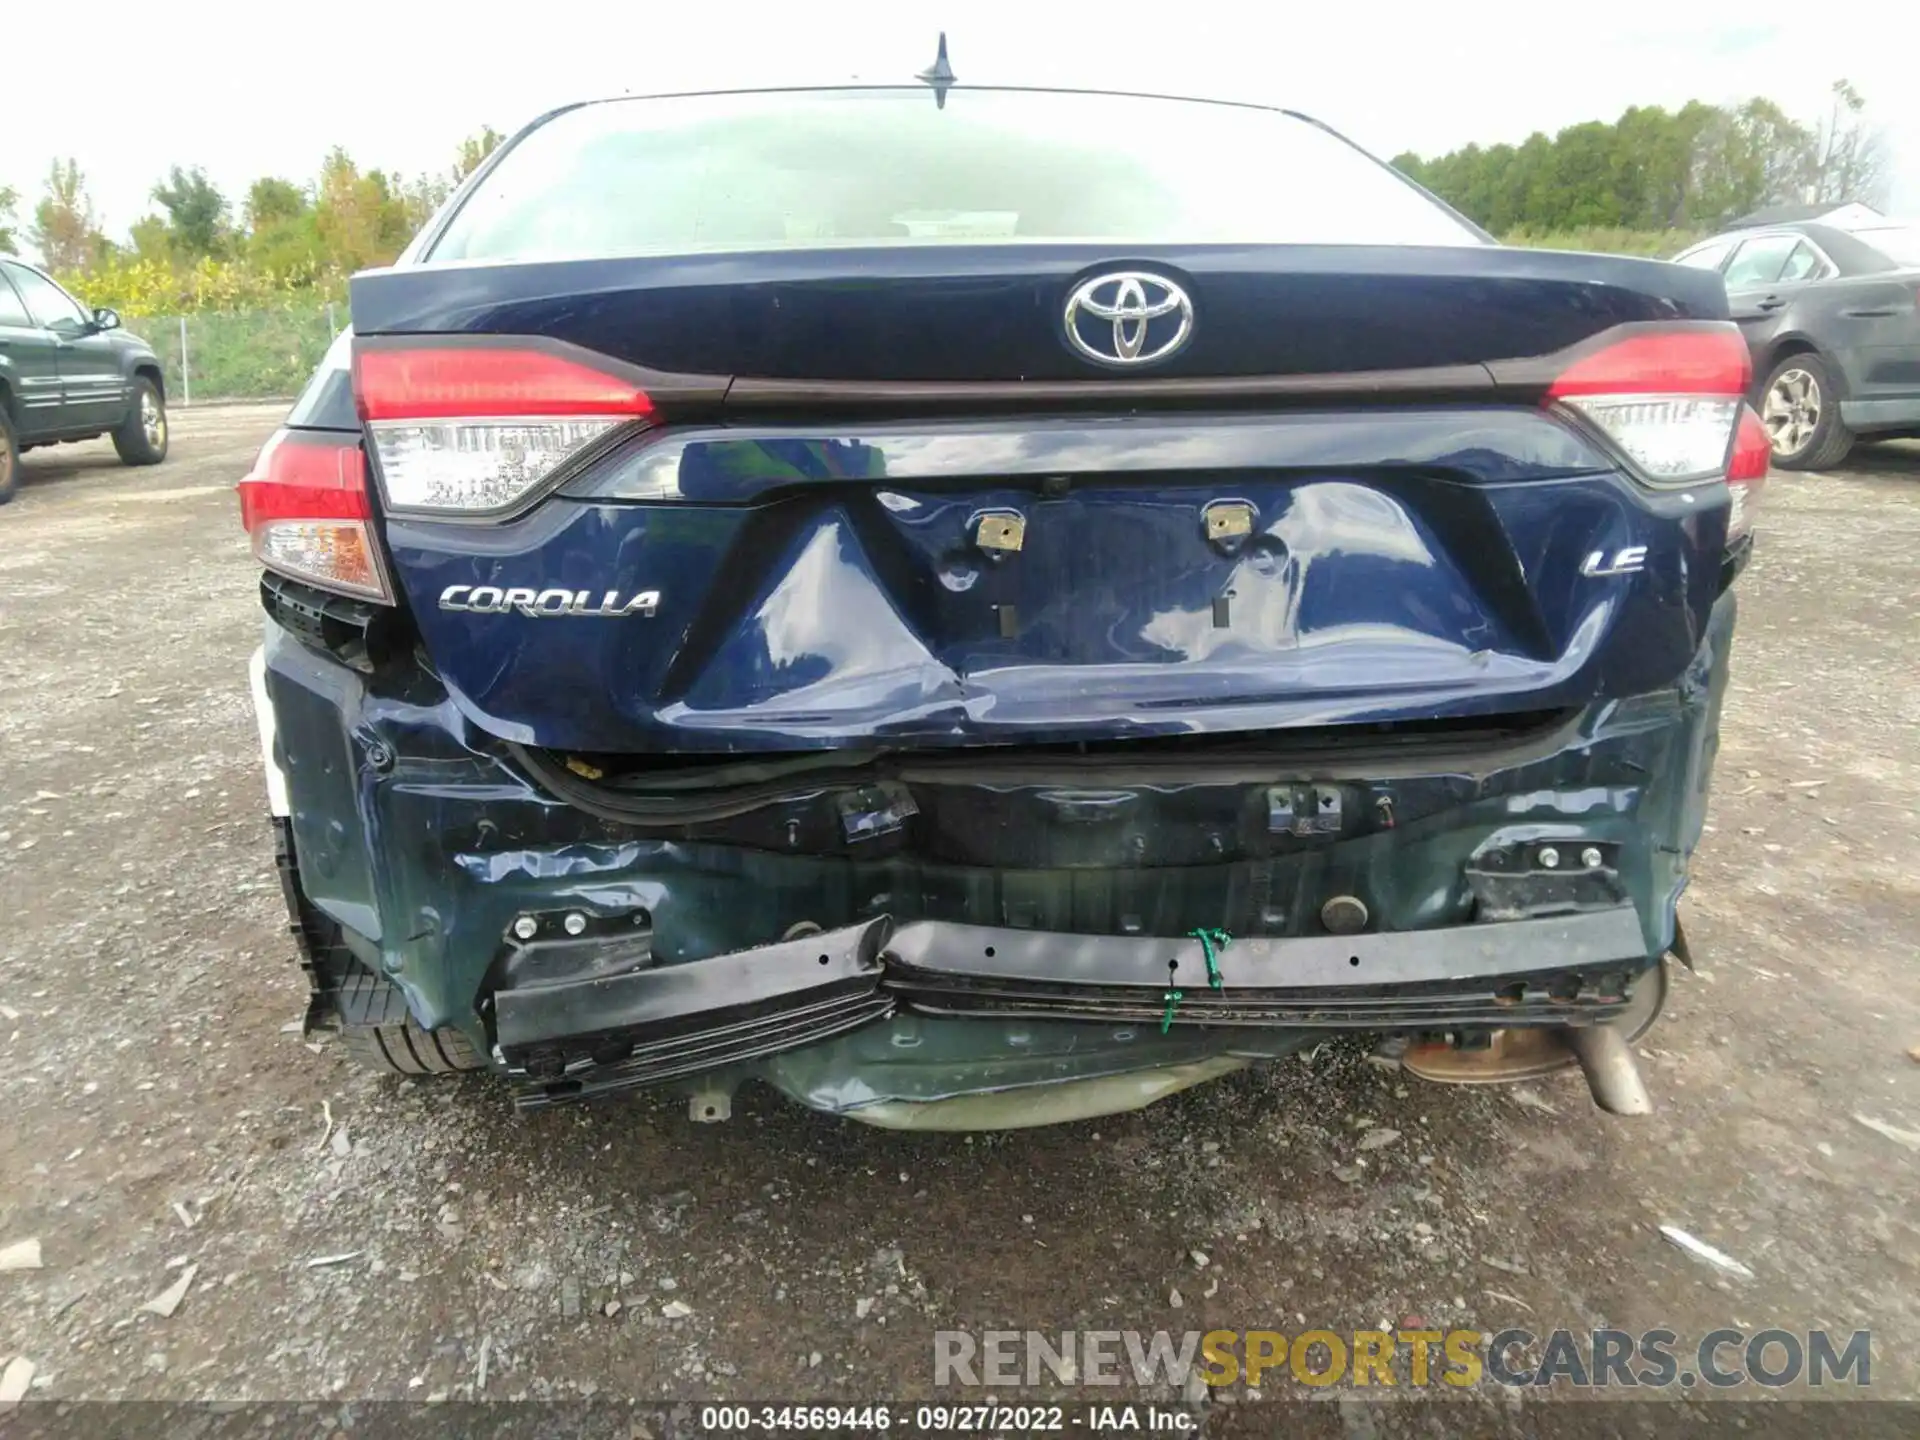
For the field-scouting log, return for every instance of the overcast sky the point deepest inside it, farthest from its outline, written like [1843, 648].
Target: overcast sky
[265, 87]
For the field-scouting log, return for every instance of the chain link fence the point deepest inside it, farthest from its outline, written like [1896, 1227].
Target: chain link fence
[242, 355]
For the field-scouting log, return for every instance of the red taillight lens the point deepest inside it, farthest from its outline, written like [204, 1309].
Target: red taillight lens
[304, 505]
[1747, 472]
[1669, 399]
[476, 429]
[470, 382]
[1675, 362]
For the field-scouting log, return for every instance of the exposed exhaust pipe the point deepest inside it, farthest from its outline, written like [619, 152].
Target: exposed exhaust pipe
[1604, 1053]
[1606, 1058]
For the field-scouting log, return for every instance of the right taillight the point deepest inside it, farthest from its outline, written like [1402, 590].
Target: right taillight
[1669, 399]
[1747, 472]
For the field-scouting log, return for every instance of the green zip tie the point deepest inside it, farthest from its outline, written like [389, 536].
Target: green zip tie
[1173, 998]
[1208, 939]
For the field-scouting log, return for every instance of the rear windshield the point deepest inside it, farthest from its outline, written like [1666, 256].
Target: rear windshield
[802, 169]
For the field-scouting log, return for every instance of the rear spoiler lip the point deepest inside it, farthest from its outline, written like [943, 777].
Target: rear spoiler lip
[684, 396]
[1522, 379]
[748, 394]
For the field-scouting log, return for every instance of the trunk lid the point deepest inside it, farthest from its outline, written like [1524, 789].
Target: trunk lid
[1343, 503]
[887, 315]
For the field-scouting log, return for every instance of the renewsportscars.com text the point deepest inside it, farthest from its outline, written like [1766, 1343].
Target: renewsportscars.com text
[1593, 1359]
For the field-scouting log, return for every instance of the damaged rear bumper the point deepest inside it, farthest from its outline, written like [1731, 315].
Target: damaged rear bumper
[1002, 934]
[654, 1025]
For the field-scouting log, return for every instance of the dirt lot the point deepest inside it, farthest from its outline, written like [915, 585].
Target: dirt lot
[146, 983]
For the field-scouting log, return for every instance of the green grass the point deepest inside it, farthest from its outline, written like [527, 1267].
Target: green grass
[1608, 240]
[248, 355]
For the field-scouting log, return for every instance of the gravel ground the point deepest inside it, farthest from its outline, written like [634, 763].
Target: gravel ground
[157, 1116]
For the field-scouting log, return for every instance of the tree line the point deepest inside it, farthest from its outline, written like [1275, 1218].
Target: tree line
[1648, 173]
[1692, 169]
[198, 250]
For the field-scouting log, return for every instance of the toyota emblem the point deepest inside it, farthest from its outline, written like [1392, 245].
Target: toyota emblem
[1128, 317]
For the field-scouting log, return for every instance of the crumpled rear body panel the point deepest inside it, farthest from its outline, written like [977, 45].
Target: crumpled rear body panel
[819, 586]
[418, 832]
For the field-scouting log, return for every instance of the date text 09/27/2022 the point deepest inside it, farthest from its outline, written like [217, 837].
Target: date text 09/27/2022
[989, 1418]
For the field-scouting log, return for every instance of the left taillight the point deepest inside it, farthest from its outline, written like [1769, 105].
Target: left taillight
[478, 430]
[304, 505]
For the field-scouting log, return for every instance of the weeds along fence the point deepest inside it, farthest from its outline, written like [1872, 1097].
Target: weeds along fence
[239, 355]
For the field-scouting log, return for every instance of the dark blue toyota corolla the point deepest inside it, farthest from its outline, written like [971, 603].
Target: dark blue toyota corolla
[981, 607]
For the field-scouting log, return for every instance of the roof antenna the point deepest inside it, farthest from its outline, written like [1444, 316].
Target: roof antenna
[939, 75]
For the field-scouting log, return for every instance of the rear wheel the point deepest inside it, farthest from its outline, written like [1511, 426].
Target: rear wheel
[9, 457]
[404, 1048]
[368, 1010]
[141, 438]
[1800, 406]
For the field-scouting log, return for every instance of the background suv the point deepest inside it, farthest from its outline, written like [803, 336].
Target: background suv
[67, 373]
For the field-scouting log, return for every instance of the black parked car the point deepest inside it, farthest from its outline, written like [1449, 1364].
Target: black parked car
[1833, 320]
[67, 373]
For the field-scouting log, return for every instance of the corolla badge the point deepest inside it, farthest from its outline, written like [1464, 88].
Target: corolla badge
[1128, 317]
[546, 604]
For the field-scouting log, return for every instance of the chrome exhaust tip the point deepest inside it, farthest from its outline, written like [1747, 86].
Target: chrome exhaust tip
[1613, 1075]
